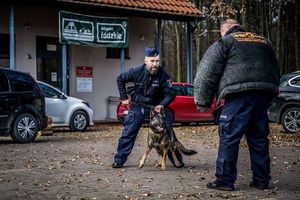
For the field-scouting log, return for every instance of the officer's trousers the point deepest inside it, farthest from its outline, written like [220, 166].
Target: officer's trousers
[133, 122]
[244, 114]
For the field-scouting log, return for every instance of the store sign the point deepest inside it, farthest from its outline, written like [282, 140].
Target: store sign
[93, 31]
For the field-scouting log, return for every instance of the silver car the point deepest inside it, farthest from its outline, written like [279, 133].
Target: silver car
[65, 110]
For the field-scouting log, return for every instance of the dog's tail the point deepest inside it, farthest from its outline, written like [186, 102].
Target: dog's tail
[177, 145]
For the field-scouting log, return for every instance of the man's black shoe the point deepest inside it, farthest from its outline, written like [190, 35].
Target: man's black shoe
[117, 165]
[216, 186]
[258, 186]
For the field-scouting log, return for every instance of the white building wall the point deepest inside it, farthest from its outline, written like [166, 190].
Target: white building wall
[105, 70]
[44, 22]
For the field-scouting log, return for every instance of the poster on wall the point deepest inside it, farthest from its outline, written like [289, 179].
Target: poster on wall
[84, 78]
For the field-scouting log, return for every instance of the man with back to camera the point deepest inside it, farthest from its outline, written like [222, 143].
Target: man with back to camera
[152, 87]
[240, 67]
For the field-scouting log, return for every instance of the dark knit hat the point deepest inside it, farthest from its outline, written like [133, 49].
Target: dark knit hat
[151, 52]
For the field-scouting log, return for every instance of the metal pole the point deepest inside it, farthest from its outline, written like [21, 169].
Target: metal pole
[12, 37]
[189, 53]
[64, 69]
[122, 60]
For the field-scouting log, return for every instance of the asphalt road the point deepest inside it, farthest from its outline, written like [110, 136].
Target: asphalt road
[70, 165]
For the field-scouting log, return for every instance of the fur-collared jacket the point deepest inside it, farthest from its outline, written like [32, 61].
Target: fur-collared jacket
[237, 62]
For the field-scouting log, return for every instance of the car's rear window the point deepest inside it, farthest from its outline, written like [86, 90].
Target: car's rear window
[179, 90]
[190, 90]
[295, 81]
[3, 82]
[21, 82]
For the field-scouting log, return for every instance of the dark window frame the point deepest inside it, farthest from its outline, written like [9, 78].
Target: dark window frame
[115, 53]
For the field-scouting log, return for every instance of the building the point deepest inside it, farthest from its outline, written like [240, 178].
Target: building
[29, 41]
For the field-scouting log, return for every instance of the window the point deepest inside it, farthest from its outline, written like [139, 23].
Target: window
[116, 53]
[21, 82]
[295, 82]
[3, 83]
[179, 90]
[4, 50]
[49, 92]
[190, 90]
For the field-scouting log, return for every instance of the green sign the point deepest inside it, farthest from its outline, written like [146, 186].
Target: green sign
[93, 31]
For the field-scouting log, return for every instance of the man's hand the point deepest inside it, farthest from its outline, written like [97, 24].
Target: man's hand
[158, 108]
[200, 108]
[126, 102]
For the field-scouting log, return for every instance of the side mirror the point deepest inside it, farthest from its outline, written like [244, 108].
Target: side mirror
[62, 96]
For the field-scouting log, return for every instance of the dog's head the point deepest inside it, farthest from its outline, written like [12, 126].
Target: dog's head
[157, 121]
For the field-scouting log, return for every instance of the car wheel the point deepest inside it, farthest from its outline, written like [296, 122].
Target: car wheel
[291, 120]
[25, 128]
[79, 121]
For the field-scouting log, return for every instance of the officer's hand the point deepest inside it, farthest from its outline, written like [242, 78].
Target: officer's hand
[126, 102]
[158, 108]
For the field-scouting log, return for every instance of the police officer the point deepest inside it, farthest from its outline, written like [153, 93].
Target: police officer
[152, 87]
[242, 68]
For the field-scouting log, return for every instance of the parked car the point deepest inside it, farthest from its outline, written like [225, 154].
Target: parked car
[183, 107]
[22, 106]
[285, 108]
[66, 111]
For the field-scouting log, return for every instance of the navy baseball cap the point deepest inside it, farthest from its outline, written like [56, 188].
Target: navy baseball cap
[151, 52]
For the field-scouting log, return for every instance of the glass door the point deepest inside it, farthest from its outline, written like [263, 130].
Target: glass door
[48, 61]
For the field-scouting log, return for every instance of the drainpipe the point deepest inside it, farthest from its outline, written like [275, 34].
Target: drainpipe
[12, 37]
[122, 60]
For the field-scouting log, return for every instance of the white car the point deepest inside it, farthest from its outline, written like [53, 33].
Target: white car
[66, 111]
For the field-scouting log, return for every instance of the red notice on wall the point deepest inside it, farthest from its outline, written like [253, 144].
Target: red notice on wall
[84, 78]
[84, 71]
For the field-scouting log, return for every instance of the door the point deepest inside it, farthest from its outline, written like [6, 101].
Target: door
[8, 104]
[49, 64]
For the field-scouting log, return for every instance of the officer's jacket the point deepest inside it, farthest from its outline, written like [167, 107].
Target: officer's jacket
[151, 89]
[237, 62]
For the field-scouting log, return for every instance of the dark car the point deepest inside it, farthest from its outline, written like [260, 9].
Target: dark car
[22, 106]
[285, 108]
[183, 107]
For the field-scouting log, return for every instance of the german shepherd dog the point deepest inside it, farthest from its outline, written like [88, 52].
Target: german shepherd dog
[162, 139]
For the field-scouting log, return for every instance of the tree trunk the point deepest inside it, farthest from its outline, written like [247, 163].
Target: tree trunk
[178, 52]
[278, 34]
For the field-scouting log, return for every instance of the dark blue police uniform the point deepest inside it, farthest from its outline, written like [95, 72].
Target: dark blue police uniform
[149, 90]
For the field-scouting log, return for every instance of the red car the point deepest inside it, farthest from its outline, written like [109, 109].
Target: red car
[183, 107]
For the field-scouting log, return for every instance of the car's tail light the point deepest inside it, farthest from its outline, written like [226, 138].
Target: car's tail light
[123, 109]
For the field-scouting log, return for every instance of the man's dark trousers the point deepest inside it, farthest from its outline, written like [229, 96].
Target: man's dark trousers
[133, 122]
[244, 113]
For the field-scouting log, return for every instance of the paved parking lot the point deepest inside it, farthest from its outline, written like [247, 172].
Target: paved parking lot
[70, 165]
